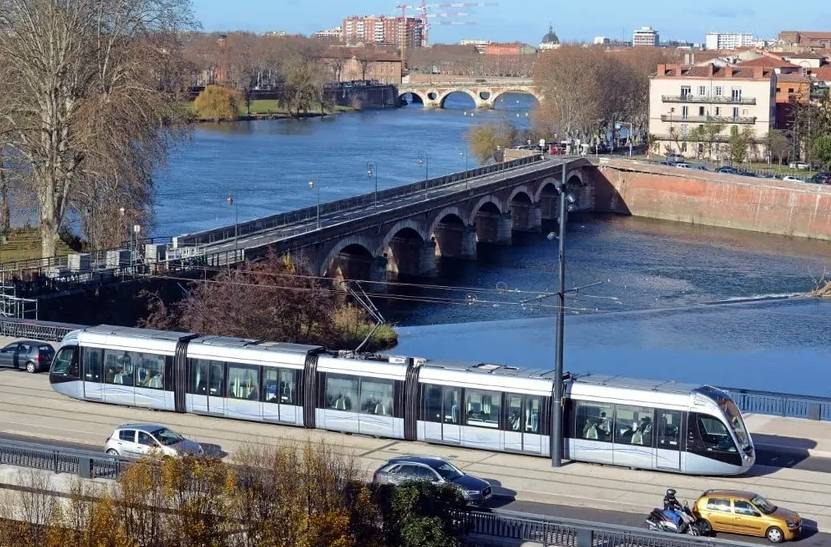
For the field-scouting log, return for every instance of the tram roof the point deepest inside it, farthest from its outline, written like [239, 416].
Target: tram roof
[131, 339]
[640, 384]
[246, 350]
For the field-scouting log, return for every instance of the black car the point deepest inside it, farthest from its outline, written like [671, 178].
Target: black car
[436, 470]
[821, 178]
[32, 355]
[727, 169]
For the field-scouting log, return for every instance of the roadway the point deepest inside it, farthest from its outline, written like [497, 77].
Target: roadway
[388, 206]
[792, 472]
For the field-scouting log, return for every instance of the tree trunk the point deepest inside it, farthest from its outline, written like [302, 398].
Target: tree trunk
[48, 223]
[5, 213]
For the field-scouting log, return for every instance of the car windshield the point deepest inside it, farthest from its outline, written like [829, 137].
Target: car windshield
[167, 437]
[763, 505]
[447, 471]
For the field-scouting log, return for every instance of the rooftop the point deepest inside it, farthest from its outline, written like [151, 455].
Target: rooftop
[768, 62]
[710, 70]
[793, 78]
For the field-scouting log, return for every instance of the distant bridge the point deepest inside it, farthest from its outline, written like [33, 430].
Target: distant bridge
[483, 93]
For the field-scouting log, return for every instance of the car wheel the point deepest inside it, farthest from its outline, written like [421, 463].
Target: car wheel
[774, 535]
[705, 527]
[112, 452]
[31, 367]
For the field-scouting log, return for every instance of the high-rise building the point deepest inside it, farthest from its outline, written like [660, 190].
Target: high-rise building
[383, 30]
[645, 36]
[727, 40]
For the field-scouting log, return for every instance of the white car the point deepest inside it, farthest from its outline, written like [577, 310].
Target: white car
[683, 165]
[139, 440]
[791, 178]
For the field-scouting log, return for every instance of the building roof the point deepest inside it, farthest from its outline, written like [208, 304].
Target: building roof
[793, 78]
[796, 55]
[711, 70]
[768, 62]
[551, 36]
[822, 73]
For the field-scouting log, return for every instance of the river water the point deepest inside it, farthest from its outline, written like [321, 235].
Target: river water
[670, 301]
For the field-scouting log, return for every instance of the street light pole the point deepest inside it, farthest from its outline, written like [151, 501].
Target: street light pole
[467, 175]
[557, 405]
[314, 186]
[424, 158]
[372, 170]
[230, 200]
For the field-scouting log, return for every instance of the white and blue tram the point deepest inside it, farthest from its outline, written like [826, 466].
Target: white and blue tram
[635, 423]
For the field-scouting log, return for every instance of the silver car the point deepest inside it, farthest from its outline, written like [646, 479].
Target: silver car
[139, 440]
[401, 469]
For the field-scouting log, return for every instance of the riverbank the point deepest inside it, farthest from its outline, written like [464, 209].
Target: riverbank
[262, 109]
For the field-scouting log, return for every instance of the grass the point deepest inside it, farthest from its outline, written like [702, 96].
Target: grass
[24, 244]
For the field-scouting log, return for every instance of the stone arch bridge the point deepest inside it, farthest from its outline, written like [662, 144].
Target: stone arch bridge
[484, 94]
[412, 228]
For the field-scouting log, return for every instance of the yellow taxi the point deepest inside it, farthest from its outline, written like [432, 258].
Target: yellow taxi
[747, 513]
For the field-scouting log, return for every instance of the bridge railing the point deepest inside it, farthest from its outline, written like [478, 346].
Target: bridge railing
[86, 464]
[781, 404]
[227, 233]
[47, 331]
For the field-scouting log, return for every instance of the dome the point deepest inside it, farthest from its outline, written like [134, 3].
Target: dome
[550, 37]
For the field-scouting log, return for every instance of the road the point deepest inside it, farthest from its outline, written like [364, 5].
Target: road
[30, 410]
[387, 206]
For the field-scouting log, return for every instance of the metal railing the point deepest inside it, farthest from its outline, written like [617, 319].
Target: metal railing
[781, 404]
[703, 99]
[708, 119]
[85, 464]
[46, 331]
[228, 233]
[572, 533]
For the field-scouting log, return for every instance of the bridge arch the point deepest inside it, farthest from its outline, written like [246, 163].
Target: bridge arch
[546, 198]
[417, 227]
[463, 91]
[522, 190]
[454, 238]
[495, 201]
[408, 250]
[349, 258]
[417, 97]
[517, 90]
[491, 222]
[524, 214]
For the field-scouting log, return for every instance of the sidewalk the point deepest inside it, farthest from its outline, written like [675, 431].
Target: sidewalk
[810, 437]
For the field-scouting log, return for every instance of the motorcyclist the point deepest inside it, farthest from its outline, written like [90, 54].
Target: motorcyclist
[672, 508]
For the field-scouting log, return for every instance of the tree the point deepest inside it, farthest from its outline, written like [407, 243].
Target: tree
[777, 144]
[822, 151]
[89, 116]
[739, 143]
[697, 136]
[217, 103]
[712, 132]
[487, 139]
[420, 514]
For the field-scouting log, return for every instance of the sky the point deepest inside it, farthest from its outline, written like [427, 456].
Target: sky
[528, 20]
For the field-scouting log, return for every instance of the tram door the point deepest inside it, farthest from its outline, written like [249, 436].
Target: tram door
[522, 433]
[668, 439]
[93, 361]
[442, 414]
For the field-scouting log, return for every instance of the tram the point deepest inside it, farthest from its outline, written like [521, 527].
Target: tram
[610, 420]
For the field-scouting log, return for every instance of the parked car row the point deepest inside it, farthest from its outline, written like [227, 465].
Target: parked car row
[678, 161]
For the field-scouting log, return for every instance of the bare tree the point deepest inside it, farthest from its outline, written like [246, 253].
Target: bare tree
[83, 94]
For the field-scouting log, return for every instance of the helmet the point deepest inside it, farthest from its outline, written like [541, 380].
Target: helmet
[670, 492]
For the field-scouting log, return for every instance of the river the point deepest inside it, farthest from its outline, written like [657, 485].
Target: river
[672, 301]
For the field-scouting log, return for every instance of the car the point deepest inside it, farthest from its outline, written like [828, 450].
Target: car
[682, 165]
[791, 178]
[31, 355]
[675, 158]
[746, 513]
[401, 469]
[729, 169]
[139, 440]
[821, 178]
[799, 165]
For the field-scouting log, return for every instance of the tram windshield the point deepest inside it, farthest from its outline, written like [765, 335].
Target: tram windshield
[734, 418]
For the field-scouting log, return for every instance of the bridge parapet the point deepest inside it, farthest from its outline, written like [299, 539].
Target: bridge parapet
[227, 233]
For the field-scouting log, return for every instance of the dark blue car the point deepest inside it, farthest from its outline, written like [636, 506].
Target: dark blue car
[398, 470]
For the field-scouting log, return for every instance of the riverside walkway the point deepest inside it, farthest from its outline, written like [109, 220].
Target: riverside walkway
[793, 467]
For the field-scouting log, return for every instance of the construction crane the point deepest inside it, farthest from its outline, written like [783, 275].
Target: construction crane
[425, 16]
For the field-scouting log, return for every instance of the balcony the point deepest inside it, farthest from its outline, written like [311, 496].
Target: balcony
[739, 120]
[699, 99]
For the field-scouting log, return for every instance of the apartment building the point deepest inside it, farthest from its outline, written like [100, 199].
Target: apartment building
[683, 98]
[646, 36]
[382, 30]
[805, 38]
[727, 40]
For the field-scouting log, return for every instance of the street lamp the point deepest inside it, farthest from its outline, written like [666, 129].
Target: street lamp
[314, 186]
[230, 201]
[467, 168]
[566, 202]
[424, 159]
[372, 171]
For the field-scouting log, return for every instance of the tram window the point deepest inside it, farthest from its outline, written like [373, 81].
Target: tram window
[482, 408]
[118, 367]
[714, 434]
[93, 364]
[533, 414]
[341, 392]
[149, 370]
[452, 405]
[198, 384]
[66, 363]
[377, 397]
[243, 382]
[515, 421]
[633, 425]
[280, 386]
[594, 421]
[432, 403]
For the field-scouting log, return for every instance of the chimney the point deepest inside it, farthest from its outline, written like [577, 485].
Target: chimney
[728, 71]
[662, 70]
[710, 69]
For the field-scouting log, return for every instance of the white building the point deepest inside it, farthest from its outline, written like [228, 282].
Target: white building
[727, 40]
[331, 34]
[601, 41]
[645, 36]
[683, 98]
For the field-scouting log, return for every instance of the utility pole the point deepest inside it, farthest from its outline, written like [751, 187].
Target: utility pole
[557, 405]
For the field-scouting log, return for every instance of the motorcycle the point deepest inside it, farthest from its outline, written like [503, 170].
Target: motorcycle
[676, 520]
